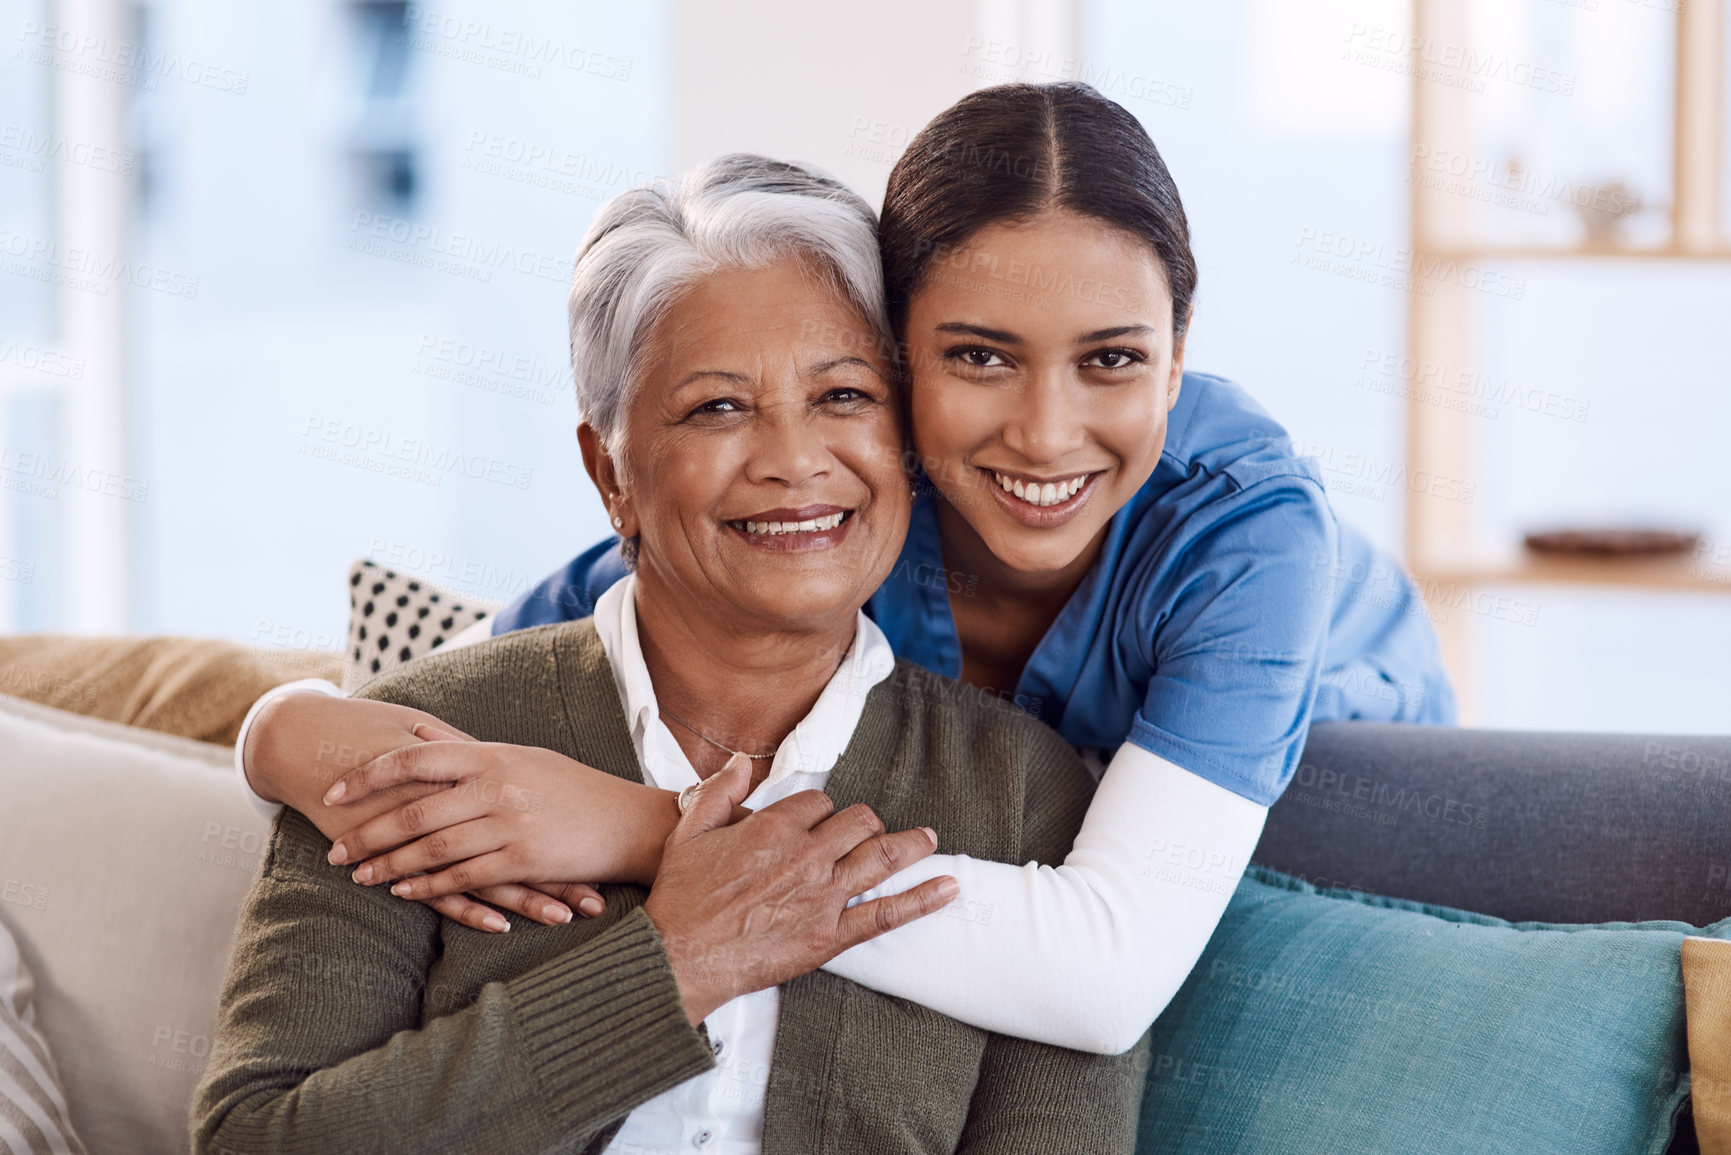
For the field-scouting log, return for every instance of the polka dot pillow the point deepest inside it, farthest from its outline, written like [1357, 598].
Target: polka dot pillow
[395, 618]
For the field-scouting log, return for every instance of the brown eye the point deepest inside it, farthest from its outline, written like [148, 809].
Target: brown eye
[720, 405]
[975, 357]
[1116, 358]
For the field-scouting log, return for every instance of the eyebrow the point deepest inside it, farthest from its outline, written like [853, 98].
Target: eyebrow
[1118, 331]
[838, 362]
[745, 379]
[699, 374]
[1004, 338]
[980, 331]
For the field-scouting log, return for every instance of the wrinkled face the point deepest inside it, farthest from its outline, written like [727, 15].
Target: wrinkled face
[762, 458]
[1043, 366]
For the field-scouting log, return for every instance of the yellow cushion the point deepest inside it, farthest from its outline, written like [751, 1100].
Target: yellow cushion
[1707, 1008]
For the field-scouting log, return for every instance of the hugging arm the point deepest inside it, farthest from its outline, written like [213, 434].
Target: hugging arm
[1087, 953]
[1084, 954]
[321, 1043]
[298, 742]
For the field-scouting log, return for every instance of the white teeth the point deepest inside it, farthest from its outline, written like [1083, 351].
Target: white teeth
[811, 525]
[1038, 493]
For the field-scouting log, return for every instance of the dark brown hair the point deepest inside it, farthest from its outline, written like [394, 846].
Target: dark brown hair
[1011, 152]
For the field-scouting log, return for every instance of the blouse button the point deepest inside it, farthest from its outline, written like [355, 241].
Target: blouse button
[717, 1046]
[702, 1138]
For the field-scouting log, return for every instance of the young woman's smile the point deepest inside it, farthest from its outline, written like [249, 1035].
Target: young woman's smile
[1043, 366]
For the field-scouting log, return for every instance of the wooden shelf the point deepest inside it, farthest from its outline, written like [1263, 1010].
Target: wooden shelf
[1446, 552]
[1675, 573]
[1568, 253]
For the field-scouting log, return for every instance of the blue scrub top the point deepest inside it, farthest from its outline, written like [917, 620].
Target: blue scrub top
[1226, 612]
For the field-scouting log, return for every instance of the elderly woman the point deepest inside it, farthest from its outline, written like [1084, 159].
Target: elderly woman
[741, 424]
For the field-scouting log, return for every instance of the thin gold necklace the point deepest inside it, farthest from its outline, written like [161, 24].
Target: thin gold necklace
[707, 738]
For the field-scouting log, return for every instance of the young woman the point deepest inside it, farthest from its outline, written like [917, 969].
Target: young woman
[1134, 554]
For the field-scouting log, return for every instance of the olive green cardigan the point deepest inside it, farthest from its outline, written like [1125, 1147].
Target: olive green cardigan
[352, 1020]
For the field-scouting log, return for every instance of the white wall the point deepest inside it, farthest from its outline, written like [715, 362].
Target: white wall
[304, 323]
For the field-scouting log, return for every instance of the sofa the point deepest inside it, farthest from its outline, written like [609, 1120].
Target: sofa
[1527, 826]
[125, 853]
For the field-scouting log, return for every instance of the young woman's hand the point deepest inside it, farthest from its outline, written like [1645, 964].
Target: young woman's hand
[300, 744]
[510, 814]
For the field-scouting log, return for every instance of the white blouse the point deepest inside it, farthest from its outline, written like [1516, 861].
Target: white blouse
[1085, 954]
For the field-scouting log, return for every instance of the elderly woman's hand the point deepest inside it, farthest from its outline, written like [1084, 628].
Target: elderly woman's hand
[750, 905]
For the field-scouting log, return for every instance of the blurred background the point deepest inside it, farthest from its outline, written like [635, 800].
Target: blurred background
[282, 286]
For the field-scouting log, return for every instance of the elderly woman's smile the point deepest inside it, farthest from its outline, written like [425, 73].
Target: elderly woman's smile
[760, 459]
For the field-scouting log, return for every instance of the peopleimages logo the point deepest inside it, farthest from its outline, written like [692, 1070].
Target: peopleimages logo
[1393, 799]
[86, 269]
[1363, 258]
[1452, 65]
[404, 240]
[122, 61]
[29, 149]
[492, 370]
[505, 49]
[381, 451]
[42, 475]
[40, 360]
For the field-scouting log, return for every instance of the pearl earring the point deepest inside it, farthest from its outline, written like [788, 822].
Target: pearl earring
[618, 522]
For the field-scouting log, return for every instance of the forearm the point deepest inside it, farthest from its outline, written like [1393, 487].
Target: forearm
[565, 1050]
[326, 1036]
[1085, 954]
[296, 743]
[275, 774]
[651, 818]
[251, 743]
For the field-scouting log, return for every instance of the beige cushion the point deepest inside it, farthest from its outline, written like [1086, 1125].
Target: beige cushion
[124, 857]
[33, 1115]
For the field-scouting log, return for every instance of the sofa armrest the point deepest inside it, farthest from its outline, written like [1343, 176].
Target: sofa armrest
[1524, 826]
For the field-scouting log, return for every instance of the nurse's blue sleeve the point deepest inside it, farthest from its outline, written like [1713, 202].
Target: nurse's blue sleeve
[567, 594]
[1239, 625]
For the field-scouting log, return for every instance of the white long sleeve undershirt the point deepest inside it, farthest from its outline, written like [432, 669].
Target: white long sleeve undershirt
[1088, 953]
[1083, 955]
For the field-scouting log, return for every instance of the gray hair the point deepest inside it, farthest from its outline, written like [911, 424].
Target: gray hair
[738, 211]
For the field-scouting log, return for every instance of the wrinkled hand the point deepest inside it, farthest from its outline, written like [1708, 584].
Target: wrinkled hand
[512, 814]
[300, 744]
[747, 906]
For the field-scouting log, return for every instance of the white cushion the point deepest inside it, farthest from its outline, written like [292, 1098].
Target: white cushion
[395, 618]
[33, 1115]
[124, 857]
